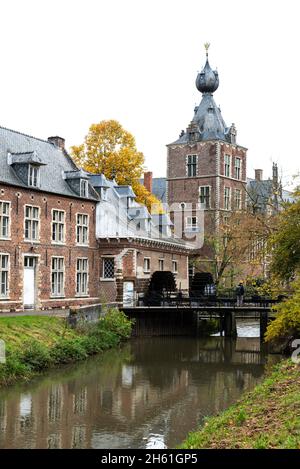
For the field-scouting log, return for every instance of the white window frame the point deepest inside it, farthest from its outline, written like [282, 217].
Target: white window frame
[161, 263]
[191, 223]
[84, 188]
[147, 265]
[7, 270]
[229, 198]
[238, 169]
[34, 180]
[193, 164]
[8, 216]
[175, 266]
[239, 199]
[104, 259]
[58, 223]
[80, 274]
[227, 165]
[31, 219]
[82, 228]
[58, 271]
[203, 204]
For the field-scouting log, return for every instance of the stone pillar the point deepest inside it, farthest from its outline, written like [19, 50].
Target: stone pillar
[119, 283]
[263, 324]
[230, 324]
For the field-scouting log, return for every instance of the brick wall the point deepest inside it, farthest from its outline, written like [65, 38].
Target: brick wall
[129, 266]
[44, 249]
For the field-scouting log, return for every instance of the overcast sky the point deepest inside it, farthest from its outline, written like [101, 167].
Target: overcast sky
[67, 64]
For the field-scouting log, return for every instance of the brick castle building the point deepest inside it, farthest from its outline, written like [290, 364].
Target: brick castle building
[57, 249]
[206, 165]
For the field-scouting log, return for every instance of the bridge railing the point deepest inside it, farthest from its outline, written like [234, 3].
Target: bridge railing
[180, 300]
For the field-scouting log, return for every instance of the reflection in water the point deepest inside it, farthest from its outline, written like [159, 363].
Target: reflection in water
[149, 394]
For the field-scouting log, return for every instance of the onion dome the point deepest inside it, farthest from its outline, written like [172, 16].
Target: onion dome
[207, 80]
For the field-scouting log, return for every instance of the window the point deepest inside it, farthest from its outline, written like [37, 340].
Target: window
[33, 176]
[29, 262]
[3, 275]
[227, 198]
[191, 224]
[161, 264]
[192, 165]
[84, 188]
[57, 276]
[82, 229]
[4, 219]
[146, 264]
[32, 222]
[237, 199]
[109, 268]
[227, 166]
[175, 267]
[82, 276]
[256, 250]
[103, 193]
[204, 196]
[58, 226]
[237, 168]
[225, 220]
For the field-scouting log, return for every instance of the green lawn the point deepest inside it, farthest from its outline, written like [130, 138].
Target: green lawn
[35, 343]
[267, 417]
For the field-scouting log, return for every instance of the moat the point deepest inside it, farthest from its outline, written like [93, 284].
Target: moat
[148, 394]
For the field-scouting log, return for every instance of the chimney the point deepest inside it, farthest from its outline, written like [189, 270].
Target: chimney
[258, 174]
[148, 181]
[57, 141]
[275, 172]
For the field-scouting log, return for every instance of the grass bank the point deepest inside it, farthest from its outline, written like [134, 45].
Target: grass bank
[267, 417]
[34, 343]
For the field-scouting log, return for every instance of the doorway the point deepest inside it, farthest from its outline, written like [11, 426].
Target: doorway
[29, 282]
[128, 293]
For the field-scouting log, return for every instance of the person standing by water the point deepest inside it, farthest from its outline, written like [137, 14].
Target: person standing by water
[240, 290]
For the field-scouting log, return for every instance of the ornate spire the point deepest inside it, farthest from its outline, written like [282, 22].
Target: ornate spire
[207, 80]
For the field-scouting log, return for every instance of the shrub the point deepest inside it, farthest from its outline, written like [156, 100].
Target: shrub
[287, 322]
[68, 350]
[36, 355]
[117, 322]
[13, 369]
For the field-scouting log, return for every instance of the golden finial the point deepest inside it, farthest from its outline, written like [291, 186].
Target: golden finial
[206, 45]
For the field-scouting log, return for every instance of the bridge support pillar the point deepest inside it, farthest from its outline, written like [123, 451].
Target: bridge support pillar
[263, 324]
[230, 324]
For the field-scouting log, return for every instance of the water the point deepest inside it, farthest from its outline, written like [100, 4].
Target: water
[148, 394]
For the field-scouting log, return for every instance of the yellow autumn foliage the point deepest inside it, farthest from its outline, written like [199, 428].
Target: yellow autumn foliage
[110, 149]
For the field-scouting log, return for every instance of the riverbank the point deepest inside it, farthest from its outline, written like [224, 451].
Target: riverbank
[34, 344]
[267, 417]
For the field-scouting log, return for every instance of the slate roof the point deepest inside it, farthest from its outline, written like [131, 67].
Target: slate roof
[159, 188]
[261, 192]
[55, 162]
[207, 123]
[162, 220]
[99, 180]
[124, 191]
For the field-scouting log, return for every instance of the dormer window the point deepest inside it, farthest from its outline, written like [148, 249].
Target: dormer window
[33, 176]
[103, 193]
[84, 188]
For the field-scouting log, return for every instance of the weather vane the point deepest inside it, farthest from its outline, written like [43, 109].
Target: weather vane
[206, 45]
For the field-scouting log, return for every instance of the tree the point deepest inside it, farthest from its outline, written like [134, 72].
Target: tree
[287, 321]
[286, 241]
[240, 245]
[110, 149]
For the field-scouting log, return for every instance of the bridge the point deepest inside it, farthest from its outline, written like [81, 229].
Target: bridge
[188, 312]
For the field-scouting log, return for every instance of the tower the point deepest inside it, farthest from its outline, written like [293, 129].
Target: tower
[206, 165]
